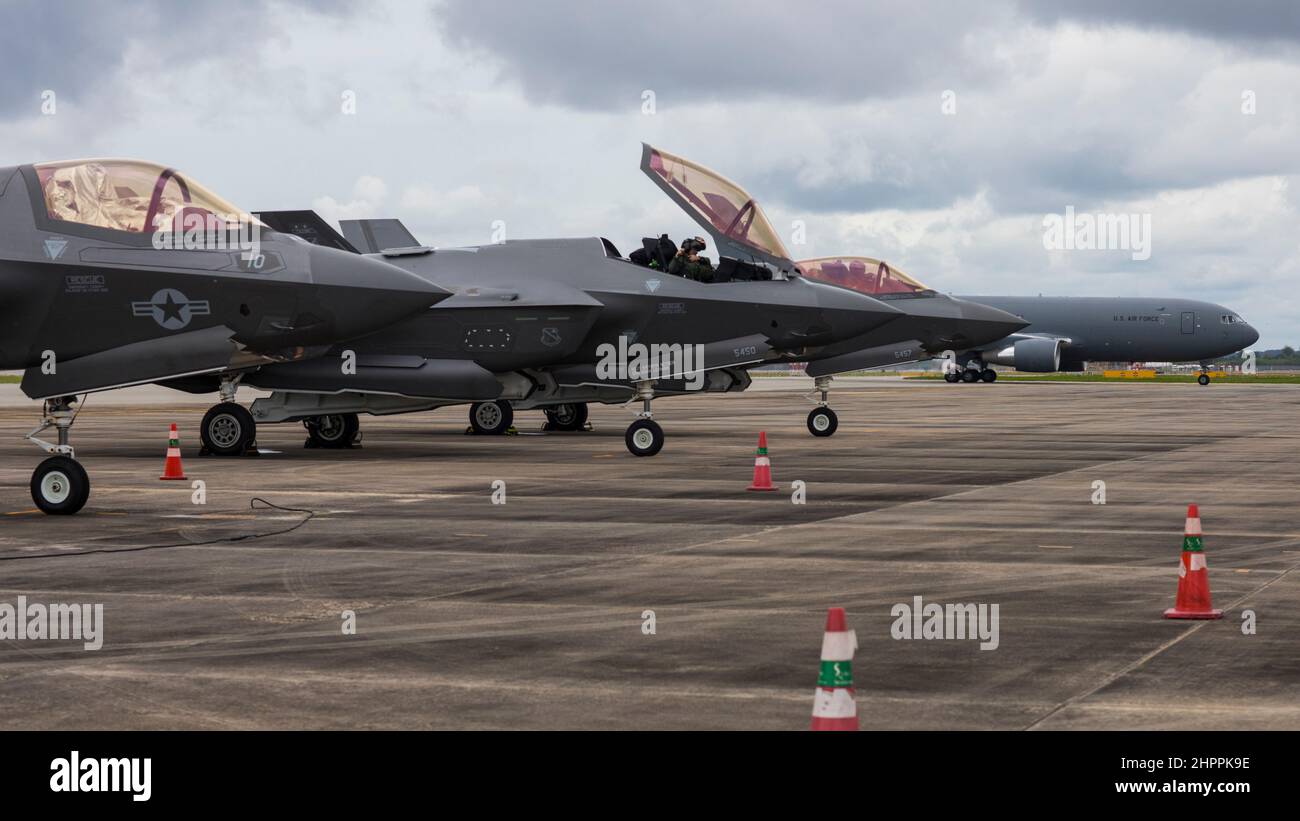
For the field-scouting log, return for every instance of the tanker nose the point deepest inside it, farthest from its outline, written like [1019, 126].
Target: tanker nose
[848, 313]
[357, 295]
[982, 324]
[1249, 336]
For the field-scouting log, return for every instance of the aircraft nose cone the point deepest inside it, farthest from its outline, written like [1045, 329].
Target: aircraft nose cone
[1249, 336]
[984, 323]
[357, 295]
[849, 313]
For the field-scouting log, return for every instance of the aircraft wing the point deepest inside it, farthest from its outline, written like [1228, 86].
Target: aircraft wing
[208, 350]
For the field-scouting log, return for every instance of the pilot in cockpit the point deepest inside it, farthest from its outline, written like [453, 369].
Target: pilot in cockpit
[688, 262]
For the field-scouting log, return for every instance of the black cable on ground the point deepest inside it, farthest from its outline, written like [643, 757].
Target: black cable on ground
[252, 505]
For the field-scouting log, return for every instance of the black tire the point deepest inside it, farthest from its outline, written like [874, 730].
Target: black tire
[1203, 379]
[569, 416]
[333, 430]
[969, 375]
[952, 376]
[644, 437]
[60, 486]
[493, 418]
[228, 429]
[989, 375]
[822, 422]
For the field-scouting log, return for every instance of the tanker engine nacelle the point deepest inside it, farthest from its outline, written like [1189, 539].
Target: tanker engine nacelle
[1029, 355]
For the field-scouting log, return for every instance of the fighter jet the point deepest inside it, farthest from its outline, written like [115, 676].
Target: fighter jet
[931, 322]
[1065, 333]
[123, 272]
[531, 316]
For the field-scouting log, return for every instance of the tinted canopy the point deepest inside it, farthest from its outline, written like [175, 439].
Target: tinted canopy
[863, 274]
[723, 208]
[129, 195]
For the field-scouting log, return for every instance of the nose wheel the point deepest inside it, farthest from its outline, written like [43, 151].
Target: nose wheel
[822, 422]
[1203, 379]
[60, 486]
[644, 437]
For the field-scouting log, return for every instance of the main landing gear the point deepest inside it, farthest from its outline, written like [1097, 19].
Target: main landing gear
[822, 421]
[228, 428]
[60, 486]
[332, 431]
[569, 416]
[973, 371]
[493, 418]
[644, 437]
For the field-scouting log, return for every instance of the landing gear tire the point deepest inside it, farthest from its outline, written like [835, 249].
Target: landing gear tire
[493, 418]
[644, 437]
[822, 422]
[60, 486]
[572, 416]
[1203, 379]
[228, 429]
[334, 431]
[970, 376]
[989, 375]
[952, 376]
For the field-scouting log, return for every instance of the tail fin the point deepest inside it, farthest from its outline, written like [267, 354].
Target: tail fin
[376, 236]
[308, 225]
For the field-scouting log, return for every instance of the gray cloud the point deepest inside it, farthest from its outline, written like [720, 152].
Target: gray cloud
[603, 55]
[1256, 20]
[77, 48]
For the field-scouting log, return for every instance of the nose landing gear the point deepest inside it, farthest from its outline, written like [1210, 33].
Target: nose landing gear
[822, 421]
[60, 485]
[644, 437]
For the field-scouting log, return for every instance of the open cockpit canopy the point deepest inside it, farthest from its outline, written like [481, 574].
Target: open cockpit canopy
[726, 211]
[132, 196]
[865, 275]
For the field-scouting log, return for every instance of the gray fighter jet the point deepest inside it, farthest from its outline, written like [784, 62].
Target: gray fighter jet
[931, 322]
[122, 272]
[526, 311]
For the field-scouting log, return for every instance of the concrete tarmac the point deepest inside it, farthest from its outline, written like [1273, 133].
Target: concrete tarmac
[531, 614]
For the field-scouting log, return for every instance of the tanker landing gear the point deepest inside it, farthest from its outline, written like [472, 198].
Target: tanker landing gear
[494, 418]
[60, 486]
[332, 431]
[644, 437]
[1204, 378]
[822, 421]
[228, 428]
[569, 416]
[972, 370]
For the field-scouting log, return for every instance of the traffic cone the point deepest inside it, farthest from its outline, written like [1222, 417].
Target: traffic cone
[833, 705]
[173, 469]
[762, 466]
[1193, 600]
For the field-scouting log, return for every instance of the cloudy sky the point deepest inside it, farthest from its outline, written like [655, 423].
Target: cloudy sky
[937, 135]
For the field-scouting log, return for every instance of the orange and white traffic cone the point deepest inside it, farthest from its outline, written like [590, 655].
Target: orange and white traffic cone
[1193, 600]
[833, 705]
[762, 466]
[173, 469]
